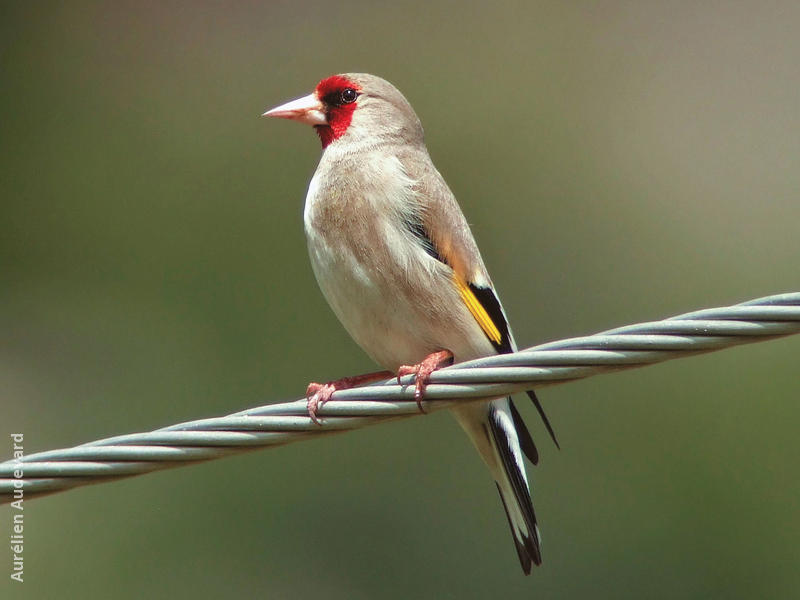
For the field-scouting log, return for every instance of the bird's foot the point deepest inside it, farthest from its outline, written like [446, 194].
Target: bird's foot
[318, 394]
[422, 372]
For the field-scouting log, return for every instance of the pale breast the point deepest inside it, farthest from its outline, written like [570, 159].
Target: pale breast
[395, 300]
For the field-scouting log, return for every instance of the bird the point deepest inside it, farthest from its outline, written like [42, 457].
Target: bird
[395, 258]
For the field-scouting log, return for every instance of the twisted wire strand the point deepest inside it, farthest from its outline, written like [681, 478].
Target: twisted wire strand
[275, 424]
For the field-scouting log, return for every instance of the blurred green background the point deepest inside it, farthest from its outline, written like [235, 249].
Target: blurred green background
[619, 162]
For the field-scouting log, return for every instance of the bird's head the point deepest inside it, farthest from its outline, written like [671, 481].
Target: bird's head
[355, 107]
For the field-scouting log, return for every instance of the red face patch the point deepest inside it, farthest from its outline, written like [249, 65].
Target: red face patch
[339, 95]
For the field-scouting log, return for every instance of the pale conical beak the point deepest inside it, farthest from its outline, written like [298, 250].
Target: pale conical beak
[307, 109]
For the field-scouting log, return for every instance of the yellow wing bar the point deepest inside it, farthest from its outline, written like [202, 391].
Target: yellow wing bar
[477, 310]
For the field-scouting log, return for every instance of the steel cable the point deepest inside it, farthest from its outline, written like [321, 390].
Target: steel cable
[275, 424]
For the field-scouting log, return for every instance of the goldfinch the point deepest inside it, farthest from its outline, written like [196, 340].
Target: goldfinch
[395, 258]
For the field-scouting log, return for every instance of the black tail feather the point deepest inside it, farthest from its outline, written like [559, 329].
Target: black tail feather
[522, 551]
[526, 544]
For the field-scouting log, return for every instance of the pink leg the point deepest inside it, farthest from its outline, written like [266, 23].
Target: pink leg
[318, 394]
[422, 372]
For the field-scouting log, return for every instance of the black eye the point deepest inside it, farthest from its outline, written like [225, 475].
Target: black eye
[348, 95]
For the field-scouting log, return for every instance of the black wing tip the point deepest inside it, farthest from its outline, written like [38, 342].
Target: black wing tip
[525, 439]
[491, 303]
[545, 420]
